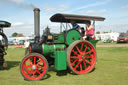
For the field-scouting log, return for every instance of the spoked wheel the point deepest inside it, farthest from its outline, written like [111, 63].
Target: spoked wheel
[81, 57]
[34, 67]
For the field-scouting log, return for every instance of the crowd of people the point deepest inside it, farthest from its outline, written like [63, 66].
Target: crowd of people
[86, 33]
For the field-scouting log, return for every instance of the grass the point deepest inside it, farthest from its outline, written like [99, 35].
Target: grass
[102, 43]
[112, 43]
[111, 69]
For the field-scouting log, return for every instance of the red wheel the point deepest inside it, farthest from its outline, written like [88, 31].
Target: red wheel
[81, 57]
[34, 67]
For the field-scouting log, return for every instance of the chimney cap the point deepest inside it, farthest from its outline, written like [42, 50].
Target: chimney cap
[36, 10]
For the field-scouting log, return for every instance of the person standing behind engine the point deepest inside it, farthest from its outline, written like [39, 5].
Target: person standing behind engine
[26, 44]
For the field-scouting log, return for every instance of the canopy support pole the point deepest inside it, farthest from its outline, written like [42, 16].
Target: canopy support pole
[66, 26]
[94, 25]
[61, 27]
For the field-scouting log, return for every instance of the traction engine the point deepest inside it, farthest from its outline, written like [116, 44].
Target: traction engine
[3, 43]
[63, 50]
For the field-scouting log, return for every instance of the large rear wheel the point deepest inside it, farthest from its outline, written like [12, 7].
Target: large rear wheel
[34, 67]
[81, 57]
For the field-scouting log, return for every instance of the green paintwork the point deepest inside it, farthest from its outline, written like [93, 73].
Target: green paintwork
[47, 49]
[71, 36]
[93, 42]
[60, 38]
[60, 60]
[58, 54]
[108, 41]
[57, 50]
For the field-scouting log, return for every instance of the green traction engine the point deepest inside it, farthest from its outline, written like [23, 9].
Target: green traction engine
[64, 50]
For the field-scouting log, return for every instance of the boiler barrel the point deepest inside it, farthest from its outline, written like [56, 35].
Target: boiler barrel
[47, 49]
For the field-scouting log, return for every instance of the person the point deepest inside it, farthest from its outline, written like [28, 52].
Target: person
[75, 25]
[89, 30]
[26, 44]
[82, 32]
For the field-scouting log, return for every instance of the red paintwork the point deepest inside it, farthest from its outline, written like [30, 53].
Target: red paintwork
[18, 46]
[34, 74]
[82, 60]
[94, 38]
[124, 39]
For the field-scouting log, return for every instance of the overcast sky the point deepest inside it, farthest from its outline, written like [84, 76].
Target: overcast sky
[20, 13]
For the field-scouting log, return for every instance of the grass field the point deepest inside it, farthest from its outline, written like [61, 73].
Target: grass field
[111, 69]
[102, 43]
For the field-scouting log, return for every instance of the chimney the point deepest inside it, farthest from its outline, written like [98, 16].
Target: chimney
[37, 24]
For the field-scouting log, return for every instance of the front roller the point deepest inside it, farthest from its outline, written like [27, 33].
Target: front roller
[34, 67]
[81, 57]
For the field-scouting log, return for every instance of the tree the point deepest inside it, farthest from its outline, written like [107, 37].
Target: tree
[97, 32]
[14, 34]
[20, 35]
[17, 34]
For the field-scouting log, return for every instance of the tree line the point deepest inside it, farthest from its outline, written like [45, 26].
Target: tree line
[15, 34]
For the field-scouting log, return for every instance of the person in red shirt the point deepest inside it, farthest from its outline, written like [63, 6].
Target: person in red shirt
[89, 30]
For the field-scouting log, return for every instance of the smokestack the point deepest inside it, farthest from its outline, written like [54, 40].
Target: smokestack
[37, 24]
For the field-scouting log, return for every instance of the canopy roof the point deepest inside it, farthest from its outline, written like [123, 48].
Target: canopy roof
[4, 24]
[78, 18]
